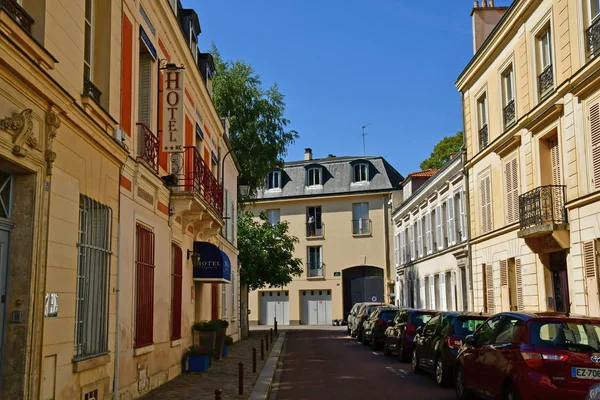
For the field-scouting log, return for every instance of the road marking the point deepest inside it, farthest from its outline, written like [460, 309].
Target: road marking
[398, 372]
[375, 353]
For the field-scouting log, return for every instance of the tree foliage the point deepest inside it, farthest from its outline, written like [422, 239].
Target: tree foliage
[258, 128]
[266, 252]
[443, 151]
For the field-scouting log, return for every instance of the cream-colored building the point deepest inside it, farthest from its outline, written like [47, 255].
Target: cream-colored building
[531, 107]
[339, 209]
[99, 225]
[430, 240]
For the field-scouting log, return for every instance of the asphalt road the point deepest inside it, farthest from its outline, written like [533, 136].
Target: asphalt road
[328, 364]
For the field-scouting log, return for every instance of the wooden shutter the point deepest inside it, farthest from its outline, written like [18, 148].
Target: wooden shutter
[429, 235]
[504, 286]
[432, 292]
[555, 160]
[503, 273]
[176, 301]
[144, 299]
[486, 204]
[594, 117]
[442, 291]
[439, 233]
[422, 299]
[451, 228]
[489, 286]
[145, 89]
[511, 187]
[412, 241]
[463, 221]
[590, 267]
[519, 278]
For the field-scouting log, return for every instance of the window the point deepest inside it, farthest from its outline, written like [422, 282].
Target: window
[485, 191]
[314, 223]
[412, 241]
[93, 280]
[402, 235]
[420, 238]
[397, 248]
[274, 180]
[508, 96]
[429, 233]
[482, 121]
[460, 214]
[361, 172]
[545, 73]
[145, 88]
[223, 301]
[315, 263]
[177, 282]
[424, 232]
[431, 326]
[144, 287]
[511, 187]
[314, 177]
[450, 221]
[273, 216]
[594, 10]
[439, 222]
[509, 331]
[361, 224]
[88, 53]
[485, 333]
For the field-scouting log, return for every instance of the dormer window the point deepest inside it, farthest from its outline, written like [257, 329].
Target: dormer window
[314, 177]
[274, 180]
[360, 172]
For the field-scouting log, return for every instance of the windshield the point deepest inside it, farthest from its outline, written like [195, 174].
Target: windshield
[418, 319]
[387, 315]
[580, 337]
[466, 326]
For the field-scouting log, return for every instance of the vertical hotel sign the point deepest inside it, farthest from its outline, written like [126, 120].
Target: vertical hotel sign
[173, 113]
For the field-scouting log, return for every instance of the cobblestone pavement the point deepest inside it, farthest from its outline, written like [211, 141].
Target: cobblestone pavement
[222, 375]
[328, 364]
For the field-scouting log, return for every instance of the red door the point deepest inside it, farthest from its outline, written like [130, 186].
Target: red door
[215, 302]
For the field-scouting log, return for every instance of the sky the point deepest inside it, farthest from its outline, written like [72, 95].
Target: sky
[342, 64]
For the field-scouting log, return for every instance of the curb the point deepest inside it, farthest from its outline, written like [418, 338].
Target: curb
[278, 372]
[262, 387]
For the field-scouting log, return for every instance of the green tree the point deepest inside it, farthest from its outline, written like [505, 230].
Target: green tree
[442, 151]
[266, 252]
[257, 122]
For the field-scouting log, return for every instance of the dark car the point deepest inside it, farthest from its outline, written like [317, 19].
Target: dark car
[399, 336]
[542, 356]
[437, 343]
[361, 315]
[351, 319]
[593, 392]
[376, 324]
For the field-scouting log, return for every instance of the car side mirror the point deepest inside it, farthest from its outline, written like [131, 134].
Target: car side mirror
[470, 340]
[419, 330]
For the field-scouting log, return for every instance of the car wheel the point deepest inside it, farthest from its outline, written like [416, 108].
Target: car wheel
[510, 393]
[386, 350]
[441, 377]
[365, 339]
[402, 356]
[462, 392]
[415, 362]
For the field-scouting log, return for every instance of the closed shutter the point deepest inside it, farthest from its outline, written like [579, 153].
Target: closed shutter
[504, 286]
[145, 89]
[451, 229]
[442, 292]
[503, 273]
[519, 278]
[144, 299]
[439, 232]
[402, 247]
[420, 238]
[412, 241]
[176, 301]
[463, 220]
[486, 204]
[511, 187]
[590, 267]
[489, 285]
[595, 142]
[429, 235]
[555, 160]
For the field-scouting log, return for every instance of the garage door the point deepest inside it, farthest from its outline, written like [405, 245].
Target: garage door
[274, 305]
[316, 307]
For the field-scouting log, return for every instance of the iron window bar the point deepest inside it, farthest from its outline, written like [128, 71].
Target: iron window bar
[18, 14]
[592, 38]
[542, 206]
[509, 114]
[546, 81]
[361, 226]
[89, 89]
[483, 137]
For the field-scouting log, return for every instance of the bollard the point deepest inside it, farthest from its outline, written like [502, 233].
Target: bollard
[254, 360]
[271, 333]
[241, 381]
[276, 326]
[267, 341]
[218, 393]
[262, 349]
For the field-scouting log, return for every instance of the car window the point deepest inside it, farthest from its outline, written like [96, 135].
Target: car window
[404, 316]
[464, 326]
[419, 319]
[485, 333]
[431, 326]
[573, 336]
[446, 325]
[387, 315]
[509, 331]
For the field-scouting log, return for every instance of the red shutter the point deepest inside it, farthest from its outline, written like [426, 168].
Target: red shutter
[144, 289]
[177, 287]
[162, 156]
[126, 75]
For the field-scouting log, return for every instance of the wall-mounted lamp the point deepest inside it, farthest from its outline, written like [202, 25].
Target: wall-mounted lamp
[195, 258]
[243, 187]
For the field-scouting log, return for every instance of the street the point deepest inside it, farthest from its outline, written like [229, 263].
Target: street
[325, 364]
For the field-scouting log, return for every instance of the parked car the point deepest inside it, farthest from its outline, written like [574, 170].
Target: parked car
[376, 324]
[399, 336]
[437, 343]
[363, 312]
[542, 356]
[351, 319]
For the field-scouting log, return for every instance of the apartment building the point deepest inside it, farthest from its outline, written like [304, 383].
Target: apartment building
[339, 209]
[430, 239]
[530, 98]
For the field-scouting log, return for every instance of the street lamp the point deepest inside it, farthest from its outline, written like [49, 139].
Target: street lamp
[195, 258]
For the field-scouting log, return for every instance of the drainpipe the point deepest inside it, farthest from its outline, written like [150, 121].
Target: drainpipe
[118, 290]
[387, 242]
[469, 266]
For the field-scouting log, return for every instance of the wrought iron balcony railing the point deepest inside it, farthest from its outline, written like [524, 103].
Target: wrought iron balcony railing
[509, 114]
[592, 38]
[361, 226]
[147, 146]
[193, 175]
[546, 81]
[544, 205]
[483, 137]
[315, 229]
[315, 269]
[89, 89]
[18, 14]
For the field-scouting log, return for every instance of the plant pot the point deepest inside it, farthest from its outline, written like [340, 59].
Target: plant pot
[207, 339]
[220, 342]
[198, 363]
[225, 350]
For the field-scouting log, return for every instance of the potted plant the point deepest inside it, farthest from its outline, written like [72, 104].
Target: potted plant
[228, 342]
[199, 358]
[206, 333]
[220, 339]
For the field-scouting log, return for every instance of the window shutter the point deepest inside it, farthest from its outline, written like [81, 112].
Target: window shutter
[422, 299]
[595, 142]
[590, 267]
[503, 273]
[412, 242]
[432, 292]
[511, 188]
[442, 291]
[463, 221]
[397, 248]
[451, 226]
[429, 236]
[519, 278]
[420, 238]
[489, 284]
[439, 231]
[145, 89]
[555, 159]
[589, 259]
[486, 205]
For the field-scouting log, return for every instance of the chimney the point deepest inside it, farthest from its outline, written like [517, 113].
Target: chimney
[485, 19]
[307, 154]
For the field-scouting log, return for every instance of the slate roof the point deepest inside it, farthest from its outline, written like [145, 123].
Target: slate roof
[337, 178]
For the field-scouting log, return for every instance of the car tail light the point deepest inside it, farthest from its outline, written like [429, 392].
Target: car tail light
[410, 328]
[454, 343]
[550, 358]
[536, 360]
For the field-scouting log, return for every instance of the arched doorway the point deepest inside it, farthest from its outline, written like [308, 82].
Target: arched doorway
[361, 284]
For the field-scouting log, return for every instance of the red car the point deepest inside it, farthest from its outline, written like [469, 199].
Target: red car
[399, 336]
[537, 356]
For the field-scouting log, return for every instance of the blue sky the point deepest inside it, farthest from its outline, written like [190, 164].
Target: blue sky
[344, 63]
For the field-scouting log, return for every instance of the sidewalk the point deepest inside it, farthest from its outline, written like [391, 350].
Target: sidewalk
[222, 375]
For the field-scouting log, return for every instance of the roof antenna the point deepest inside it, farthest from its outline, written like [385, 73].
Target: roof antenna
[363, 136]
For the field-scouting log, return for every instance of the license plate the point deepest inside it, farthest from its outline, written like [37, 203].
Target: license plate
[585, 373]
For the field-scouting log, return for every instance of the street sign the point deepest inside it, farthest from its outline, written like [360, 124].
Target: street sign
[373, 298]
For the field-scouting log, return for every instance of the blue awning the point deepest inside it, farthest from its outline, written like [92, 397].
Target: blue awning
[215, 266]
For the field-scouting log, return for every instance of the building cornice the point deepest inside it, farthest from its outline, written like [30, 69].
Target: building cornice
[288, 199]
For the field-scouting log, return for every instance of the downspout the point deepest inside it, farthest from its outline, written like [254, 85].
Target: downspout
[387, 243]
[118, 294]
[469, 266]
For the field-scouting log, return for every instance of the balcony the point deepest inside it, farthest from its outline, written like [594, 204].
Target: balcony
[546, 81]
[315, 269]
[509, 114]
[484, 137]
[315, 230]
[89, 89]
[361, 227]
[592, 38]
[543, 219]
[147, 147]
[18, 14]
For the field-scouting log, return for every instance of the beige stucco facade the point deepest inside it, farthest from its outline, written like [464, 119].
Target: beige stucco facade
[532, 194]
